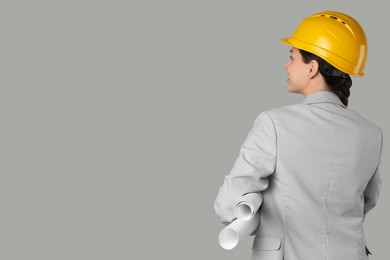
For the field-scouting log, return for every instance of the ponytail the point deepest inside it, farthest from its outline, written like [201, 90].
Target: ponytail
[340, 85]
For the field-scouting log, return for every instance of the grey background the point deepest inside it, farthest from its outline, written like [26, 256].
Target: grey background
[119, 119]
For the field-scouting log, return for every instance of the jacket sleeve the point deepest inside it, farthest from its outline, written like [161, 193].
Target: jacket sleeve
[250, 172]
[372, 191]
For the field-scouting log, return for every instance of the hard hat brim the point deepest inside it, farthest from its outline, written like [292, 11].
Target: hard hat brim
[332, 58]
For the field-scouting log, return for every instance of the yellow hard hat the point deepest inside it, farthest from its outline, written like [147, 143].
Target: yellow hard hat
[335, 37]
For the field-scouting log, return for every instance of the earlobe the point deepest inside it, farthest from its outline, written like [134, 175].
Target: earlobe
[312, 73]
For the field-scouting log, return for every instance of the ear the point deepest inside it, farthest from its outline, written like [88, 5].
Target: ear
[313, 68]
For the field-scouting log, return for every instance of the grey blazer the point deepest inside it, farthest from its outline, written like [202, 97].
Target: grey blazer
[316, 165]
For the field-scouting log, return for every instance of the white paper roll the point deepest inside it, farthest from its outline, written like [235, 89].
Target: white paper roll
[248, 205]
[237, 231]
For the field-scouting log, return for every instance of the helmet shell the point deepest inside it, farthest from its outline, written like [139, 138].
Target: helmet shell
[335, 37]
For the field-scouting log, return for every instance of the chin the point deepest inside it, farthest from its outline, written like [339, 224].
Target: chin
[291, 90]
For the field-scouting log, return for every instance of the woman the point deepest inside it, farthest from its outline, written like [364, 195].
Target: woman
[314, 163]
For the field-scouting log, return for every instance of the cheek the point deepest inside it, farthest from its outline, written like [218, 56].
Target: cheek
[296, 80]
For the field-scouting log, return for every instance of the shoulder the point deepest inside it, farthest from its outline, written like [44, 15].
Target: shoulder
[269, 117]
[367, 122]
[283, 111]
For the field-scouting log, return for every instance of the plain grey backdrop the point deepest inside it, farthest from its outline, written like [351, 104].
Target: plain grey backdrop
[119, 119]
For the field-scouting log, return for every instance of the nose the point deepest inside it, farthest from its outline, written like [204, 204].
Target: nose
[286, 64]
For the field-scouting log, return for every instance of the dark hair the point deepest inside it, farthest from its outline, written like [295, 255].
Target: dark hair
[338, 81]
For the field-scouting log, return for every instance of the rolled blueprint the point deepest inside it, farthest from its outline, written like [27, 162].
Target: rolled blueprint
[248, 205]
[237, 231]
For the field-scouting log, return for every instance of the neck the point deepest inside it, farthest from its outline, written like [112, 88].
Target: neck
[315, 86]
[311, 91]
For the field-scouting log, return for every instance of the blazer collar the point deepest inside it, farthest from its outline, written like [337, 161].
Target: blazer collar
[323, 97]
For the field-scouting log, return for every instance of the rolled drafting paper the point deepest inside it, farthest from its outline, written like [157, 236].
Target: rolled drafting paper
[237, 231]
[248, 205]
